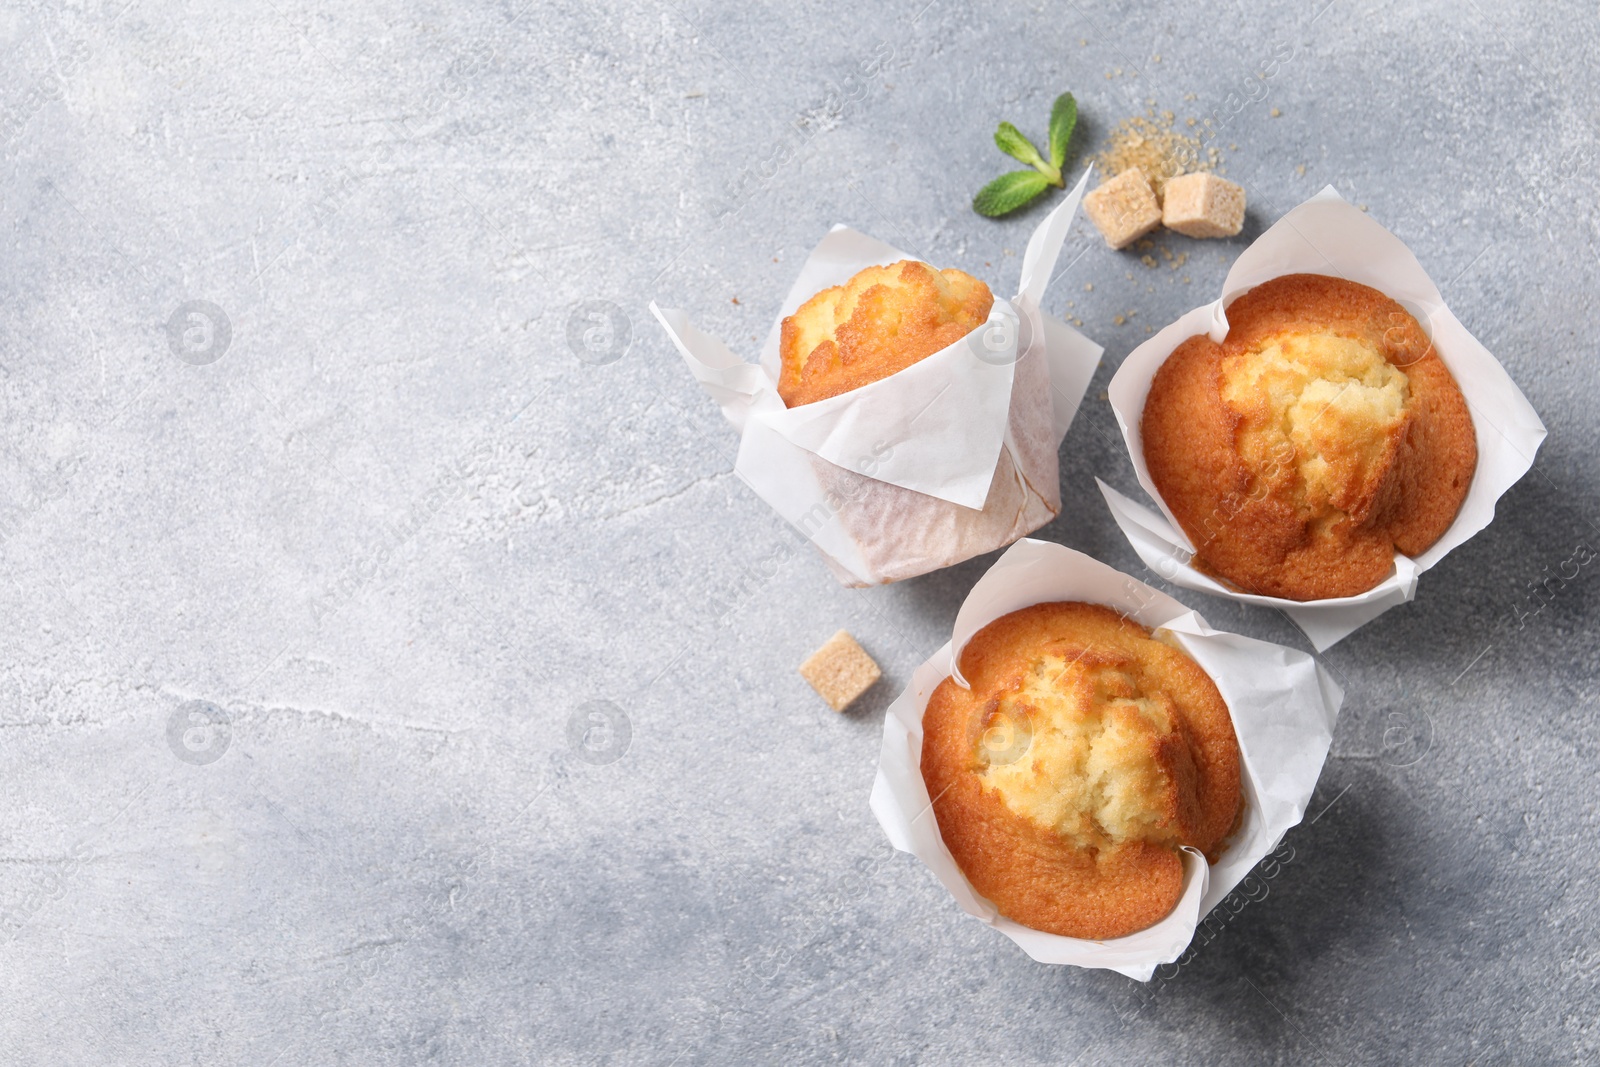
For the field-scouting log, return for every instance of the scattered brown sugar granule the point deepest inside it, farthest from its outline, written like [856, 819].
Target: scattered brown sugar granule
[840, 671]
[1150, 143]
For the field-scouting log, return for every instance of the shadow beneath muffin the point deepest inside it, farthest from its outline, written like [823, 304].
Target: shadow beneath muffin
[1539, 523]
[939, 595]
[1485, 605]
[1276, 973]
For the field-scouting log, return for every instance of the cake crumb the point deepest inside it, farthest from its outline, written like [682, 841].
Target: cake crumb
[1088, 287]
[1118, 320]
[1275, 113]
[840, 671]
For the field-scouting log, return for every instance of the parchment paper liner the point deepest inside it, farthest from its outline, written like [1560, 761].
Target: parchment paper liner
[1326, 235]
[1283, 705]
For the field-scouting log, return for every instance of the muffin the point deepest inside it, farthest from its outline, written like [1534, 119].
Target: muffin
[1323, 435]
[881, 321]
[1084, 756]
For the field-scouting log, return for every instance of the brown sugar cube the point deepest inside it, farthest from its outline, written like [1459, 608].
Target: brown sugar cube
[840, 671]
[1124, 209]
[1203, 205]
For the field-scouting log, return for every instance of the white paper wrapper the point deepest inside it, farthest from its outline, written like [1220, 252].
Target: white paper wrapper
[1283, 706]
[1326, 235]
[953, 456]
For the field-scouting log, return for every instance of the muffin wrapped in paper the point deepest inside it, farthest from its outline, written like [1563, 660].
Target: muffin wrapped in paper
[950, 457]
[1325, 236]
[1282, 704]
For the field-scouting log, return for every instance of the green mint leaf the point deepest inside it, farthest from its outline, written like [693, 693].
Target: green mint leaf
[1008, 192]
[1009, 139]
[1063, 117]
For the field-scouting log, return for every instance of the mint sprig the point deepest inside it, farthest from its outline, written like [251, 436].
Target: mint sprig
[1011, 191]
[1009, 140]
[1063, 117]
[1008, 192]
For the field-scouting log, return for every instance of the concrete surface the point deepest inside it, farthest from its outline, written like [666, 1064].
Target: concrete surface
[395, 673]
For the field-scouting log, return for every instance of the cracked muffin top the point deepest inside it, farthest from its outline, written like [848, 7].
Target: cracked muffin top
[1323, 435]
[881, 321]
[1086, 753]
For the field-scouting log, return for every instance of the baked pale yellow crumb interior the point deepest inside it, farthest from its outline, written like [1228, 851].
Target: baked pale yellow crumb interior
[1333, 403]
[1090, 772]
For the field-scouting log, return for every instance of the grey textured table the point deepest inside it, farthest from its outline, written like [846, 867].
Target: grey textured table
[322, 543]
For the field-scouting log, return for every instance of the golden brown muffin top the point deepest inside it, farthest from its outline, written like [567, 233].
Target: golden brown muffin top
[1085, 753]
[1323, 435]
[881, 321]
